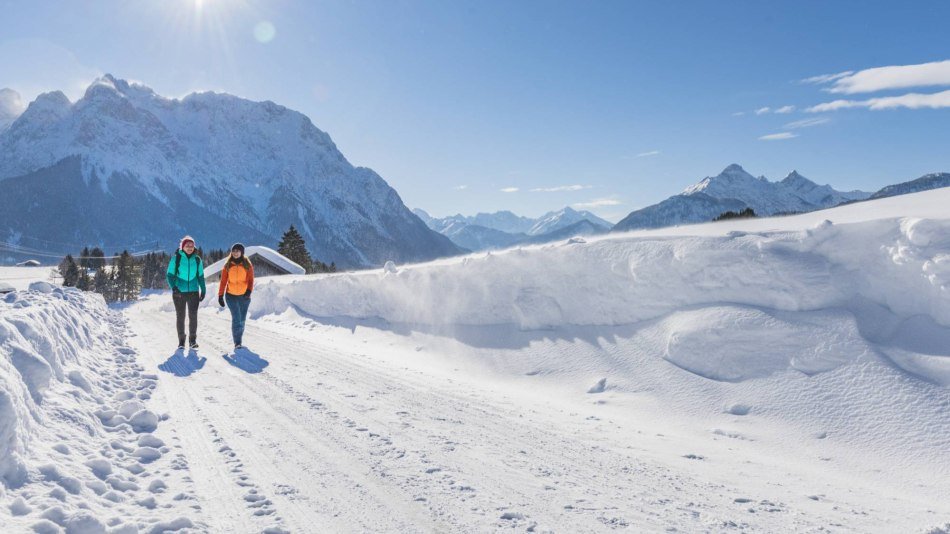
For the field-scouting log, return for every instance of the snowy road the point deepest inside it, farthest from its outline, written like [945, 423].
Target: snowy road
[323, 428]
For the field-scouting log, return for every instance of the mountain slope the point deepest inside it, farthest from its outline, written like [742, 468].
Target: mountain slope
[679, 209]
[930, 181]
[735, 189]
[556, 220]
[215, 161]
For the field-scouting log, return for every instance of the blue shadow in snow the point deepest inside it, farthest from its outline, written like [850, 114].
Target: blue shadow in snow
[246, 360]
[180, 365]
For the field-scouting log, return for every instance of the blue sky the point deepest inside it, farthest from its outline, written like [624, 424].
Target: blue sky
[608, 106]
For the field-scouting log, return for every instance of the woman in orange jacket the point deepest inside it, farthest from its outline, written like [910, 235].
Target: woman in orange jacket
[237, 278]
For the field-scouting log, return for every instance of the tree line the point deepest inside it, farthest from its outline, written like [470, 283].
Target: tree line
[747, 213]
[122, 277]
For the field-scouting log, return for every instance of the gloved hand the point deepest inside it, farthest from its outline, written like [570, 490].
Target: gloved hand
[201, 296]
[247, 294]
[221, 301]
[175, 290]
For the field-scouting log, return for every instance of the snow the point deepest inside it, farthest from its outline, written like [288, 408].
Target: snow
[21, 277]
[769, 375]
[269, 254]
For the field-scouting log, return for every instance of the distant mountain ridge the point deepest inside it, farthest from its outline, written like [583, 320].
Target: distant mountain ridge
[735, 189]
[502, 229]
[215, 165]
[924, 183]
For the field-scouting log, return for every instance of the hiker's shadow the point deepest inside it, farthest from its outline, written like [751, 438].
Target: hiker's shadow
[246, 360]
[179, 364]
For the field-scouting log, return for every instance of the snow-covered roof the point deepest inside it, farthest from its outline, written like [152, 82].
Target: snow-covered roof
[268, 254]
[29, 263]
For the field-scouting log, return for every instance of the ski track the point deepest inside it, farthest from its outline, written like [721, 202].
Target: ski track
[323, 439]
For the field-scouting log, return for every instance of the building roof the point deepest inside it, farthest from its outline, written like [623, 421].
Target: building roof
[272, 256]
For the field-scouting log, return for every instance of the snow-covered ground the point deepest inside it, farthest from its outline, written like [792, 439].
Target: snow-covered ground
[771, 375]
[21, 277]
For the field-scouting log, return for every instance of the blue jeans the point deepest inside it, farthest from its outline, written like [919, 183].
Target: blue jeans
[238, 305]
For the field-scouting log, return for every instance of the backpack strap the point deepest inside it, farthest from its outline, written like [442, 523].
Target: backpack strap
[177, 261]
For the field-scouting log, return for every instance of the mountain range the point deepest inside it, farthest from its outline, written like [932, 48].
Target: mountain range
[924, 183]
[502, 229]
[734, 189]
[126, 167]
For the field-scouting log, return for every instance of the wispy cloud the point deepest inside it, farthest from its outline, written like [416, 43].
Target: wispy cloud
[807, 123]
[648, 154]
[738, 114]
[884, 78]
[597, 203]
[766, 109]
[560, 188]
[460, 187]
[778, 136]
[509, 190]
[909, 101]
[825, 78]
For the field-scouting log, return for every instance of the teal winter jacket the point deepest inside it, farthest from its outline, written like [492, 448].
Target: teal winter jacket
[190, 276]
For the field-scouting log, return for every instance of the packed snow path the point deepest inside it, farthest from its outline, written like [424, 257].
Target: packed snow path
[332, 429]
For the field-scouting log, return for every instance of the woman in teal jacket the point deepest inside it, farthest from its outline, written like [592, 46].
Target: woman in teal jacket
[186, 277]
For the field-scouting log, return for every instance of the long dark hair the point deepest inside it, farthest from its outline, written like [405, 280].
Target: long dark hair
[242, 261]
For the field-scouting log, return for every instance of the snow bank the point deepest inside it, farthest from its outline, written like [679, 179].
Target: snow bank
[901, 265]
[41, 334]
[72, 412]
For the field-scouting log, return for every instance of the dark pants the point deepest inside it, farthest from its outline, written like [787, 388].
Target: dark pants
[238, 305]
[189, 300]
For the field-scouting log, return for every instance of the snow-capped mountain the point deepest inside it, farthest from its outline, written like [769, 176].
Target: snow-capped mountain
[488, 231]
[556, 220]
[679, 209]
[929, 181]
[10, 107]
[475, 238]
[220, 167]
[735, 189]
[503, 221]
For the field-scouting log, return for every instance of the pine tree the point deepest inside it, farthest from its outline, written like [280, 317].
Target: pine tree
[69, 271]
[84, 282]
[84, 258]
[97, 258]
[100, 282]
[294, 248]
[127, 278]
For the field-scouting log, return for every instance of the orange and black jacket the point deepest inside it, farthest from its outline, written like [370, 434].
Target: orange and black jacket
[237, 278]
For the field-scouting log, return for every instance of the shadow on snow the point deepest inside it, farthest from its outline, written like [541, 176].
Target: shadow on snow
[180, 365]
[246, 360]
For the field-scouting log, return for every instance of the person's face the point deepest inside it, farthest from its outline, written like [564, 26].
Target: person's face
[236, 253]
[189, 247]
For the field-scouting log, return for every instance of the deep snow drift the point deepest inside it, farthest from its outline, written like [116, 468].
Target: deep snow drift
[76, 448]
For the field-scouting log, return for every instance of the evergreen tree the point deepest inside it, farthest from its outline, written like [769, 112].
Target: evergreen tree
[294, 248]
[84, 282]
[100, 282]
[744, 214]
[127, 278]
[97, 258]
[84, 258]
[69, 271]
